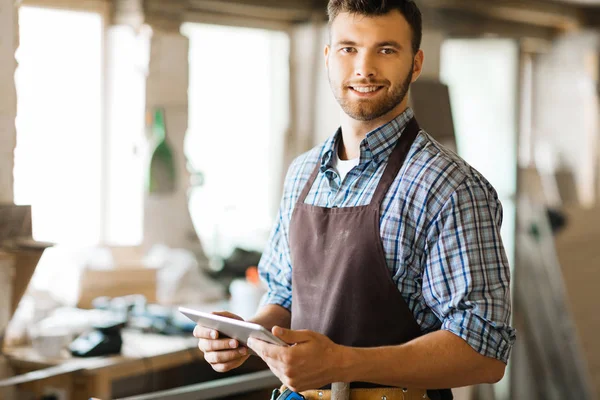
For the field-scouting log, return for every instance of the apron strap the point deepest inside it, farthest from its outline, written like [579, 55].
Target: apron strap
[395, 161]
[309, 184]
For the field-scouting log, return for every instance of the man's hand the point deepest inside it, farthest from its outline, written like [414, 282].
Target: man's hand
[311, 362]
[222, 354]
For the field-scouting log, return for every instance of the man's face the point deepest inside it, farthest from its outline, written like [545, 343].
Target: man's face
[370, 63]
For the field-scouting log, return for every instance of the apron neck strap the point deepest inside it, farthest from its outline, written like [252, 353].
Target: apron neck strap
[395, 161]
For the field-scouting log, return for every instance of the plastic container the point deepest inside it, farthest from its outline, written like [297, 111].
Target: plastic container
[246, 294]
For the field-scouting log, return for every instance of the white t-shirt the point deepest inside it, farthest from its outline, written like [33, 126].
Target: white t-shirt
[343, 166]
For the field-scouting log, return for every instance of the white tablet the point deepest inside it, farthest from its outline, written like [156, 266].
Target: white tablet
[239, 330]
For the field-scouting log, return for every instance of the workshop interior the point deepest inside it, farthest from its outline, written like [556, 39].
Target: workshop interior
[143, 150]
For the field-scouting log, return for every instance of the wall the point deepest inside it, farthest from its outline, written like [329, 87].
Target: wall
[431, 46]
[306, 49]
[8, 139]
[8, 98]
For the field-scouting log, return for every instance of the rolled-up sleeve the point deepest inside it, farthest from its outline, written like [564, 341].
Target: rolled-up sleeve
[275, 267]
[466, 280]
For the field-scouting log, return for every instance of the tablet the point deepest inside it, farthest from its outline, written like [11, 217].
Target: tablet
[239, 330]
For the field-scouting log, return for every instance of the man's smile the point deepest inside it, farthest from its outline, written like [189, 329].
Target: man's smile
[365, 91]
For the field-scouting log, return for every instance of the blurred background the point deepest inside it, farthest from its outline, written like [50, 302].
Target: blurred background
[143, 146]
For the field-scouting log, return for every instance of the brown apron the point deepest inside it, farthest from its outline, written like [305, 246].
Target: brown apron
[341, 284]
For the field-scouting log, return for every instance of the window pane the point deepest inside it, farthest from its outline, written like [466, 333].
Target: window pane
[59, 146]
[239, 87]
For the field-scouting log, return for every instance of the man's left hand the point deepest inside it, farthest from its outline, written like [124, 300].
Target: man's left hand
[312, 360]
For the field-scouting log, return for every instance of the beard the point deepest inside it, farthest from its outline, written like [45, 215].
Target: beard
[370, 109]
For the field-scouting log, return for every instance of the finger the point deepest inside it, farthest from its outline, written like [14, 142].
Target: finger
[216, 345]
[290, 336]
[202, 332]
[266, 350]
[228, 366]
[221, 357]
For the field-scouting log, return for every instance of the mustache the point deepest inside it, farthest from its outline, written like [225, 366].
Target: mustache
[366, 82]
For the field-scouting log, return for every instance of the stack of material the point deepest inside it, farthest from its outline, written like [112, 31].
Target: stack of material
[19, 254]
[578, 250]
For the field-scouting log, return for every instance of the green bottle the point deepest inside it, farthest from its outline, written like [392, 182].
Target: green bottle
[161, 174]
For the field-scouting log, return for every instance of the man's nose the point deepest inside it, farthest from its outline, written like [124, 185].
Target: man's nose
[365, 66]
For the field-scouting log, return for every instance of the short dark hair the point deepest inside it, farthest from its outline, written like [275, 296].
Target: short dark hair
[408, 8]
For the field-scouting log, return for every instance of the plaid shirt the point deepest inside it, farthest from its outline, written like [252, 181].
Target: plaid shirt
[440, 228]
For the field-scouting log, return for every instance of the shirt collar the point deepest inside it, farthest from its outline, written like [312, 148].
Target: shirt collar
[377, 145]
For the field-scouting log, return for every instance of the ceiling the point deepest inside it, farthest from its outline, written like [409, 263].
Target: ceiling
[591, 3]
[513, 18]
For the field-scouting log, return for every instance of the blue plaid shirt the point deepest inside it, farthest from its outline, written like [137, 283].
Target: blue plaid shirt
[440, 228]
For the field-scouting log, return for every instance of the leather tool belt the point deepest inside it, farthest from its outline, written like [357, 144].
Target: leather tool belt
[355, 394]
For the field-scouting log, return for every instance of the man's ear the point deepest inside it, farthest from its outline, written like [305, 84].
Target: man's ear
[326, 54]
[418, 65]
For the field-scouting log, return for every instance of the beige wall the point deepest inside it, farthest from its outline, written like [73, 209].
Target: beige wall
[8, 112]
[431, 46]
[8, 98]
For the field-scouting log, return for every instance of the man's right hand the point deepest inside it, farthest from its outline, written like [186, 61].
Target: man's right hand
[222, 354]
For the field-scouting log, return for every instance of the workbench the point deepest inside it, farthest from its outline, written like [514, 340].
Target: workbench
[133, 372]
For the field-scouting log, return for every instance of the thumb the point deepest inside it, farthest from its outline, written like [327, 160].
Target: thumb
[289, 336]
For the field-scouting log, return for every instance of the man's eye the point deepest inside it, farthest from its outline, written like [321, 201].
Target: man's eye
[348, 49]
[387, 51]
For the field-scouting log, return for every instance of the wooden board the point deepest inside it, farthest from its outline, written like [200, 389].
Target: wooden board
[94, 377]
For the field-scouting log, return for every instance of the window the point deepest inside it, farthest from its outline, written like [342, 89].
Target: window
[58, 167]
[80, 168]
[238, 114]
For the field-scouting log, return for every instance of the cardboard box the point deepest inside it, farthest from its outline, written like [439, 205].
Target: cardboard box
[117, 282]
[127, 256]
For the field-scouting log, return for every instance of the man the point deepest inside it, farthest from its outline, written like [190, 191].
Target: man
[385, 267]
